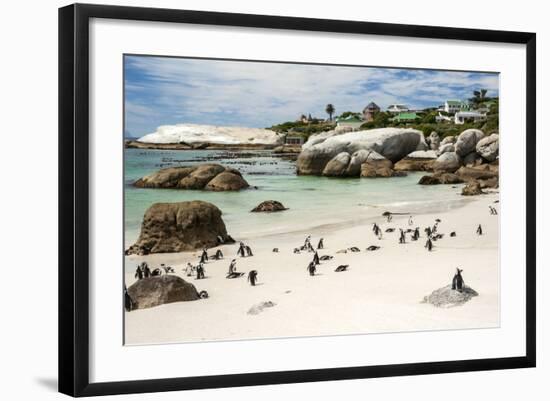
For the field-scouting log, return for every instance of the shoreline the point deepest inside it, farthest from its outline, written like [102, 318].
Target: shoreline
[133, 144]
[395, 279]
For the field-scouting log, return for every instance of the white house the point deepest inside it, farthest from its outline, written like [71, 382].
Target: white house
[453, 106]
[398, 108]
[440, 118]
[463, 116]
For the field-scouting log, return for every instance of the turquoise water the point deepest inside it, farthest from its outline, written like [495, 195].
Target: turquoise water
[312, 201]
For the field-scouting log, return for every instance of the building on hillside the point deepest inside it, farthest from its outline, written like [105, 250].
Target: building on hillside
[398, 108]
[294, 140]
[405, 117]
[462, 117]
[441, 118]
[370, 111]
[350, 121]
[453, 106]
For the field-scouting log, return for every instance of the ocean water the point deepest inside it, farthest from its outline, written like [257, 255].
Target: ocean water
[312, 202]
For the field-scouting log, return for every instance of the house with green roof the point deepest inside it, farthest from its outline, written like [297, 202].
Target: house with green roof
[453, 106]
[404, 117]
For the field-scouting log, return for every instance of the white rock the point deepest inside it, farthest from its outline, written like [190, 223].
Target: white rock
[488, 147]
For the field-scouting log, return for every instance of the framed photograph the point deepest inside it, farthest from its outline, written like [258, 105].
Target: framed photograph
[250, 199]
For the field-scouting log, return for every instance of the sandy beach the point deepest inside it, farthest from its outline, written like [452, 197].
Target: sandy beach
[382, 291]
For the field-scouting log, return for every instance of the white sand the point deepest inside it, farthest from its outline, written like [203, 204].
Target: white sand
[381, 292]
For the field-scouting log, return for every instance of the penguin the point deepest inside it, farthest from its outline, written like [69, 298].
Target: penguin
[428, 231]
[479, 231]
[373, 248]
[248, 251]
[438, 220]
[326, 257]
[128, 302]
[200, 271]
[145, 269]
[428, 245]
[219, 254]
[204, 256]
[241, 250]
[311, 268]
[320, 245]
[401, 236]
[189, 270]
[341, 268]
[316, 258]
[390, 230]
[354, 249]
[275, 250]
[203, 294]
[167, 269]
[232, 267]
[452, 234]
[458, 281]
[139, 273]
[252, 277]
[296, 250]
[156, 272]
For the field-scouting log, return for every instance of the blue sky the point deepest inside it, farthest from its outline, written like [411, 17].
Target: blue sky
[166, 91]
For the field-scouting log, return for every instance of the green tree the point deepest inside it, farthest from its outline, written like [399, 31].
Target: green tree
[330, 111]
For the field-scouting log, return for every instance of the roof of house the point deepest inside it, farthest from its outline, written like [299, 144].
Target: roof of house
[454, 102]
[405, 116]
[372, 105]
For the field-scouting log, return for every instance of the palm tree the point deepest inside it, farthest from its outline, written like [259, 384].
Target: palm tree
[330, 111]
[479, 96]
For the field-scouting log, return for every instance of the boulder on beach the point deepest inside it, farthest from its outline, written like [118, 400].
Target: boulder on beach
[488, 147]
[446, 297]
[194, 177]
[227, 181]
[154, 291]
[467, 141]
[259, 307]
[269, 206]
[444, 148]
[472, 159]
[472, 188]
[448, 139]
[483, 172]
[392, 143]
[448, 162]
[179, 227]
[376, 165]
[420, 160]
[440, 178]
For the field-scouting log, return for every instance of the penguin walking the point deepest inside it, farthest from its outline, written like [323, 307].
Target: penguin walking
[241, 251]
[479, 231]
[316, 259]
[252, 277]
[320, 245]
[204, 256]
[248, 251]
[458, 281]
[311, 268]
[200, 271]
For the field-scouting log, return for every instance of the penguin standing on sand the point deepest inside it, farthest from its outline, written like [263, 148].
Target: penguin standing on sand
[232, 267]
[479, 231]
[219, 254]
[458, 281]
[200, 271]
[320, 245]
[146, 270]
[316, 258]
[428, 245]
[401, 236]
[428, 231]
[248, 250]
[128, 302]
[204, 256]
[242, 250]
[253, 277]
[311, 268]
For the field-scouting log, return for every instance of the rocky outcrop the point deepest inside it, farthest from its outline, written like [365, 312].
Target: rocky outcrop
[444, 148]
[447, 162]
[420, 160]
[447, 297]
[269, 206]
[447, 140]
[472, 188]
[488, 147]
[206, 176]
[392, 143]
[282, 149]
[376, 165]
[178, 227]
[483, 172]
[472, 160]
[467, 141]
[154, 291]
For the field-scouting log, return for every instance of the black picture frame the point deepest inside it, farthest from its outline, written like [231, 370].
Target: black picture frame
[74, 201]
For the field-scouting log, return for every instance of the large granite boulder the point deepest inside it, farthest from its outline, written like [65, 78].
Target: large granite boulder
[488, 147]
[392, 143]
[434, 140]
[269, 206]
[195, 177]
[449, 162]
[472, 160]
[467, 141]
[420, 160]
[376, 165]
[154, 291]
[337, 166]
[357, 159]
[201, 176]
[178, 227]
[448, 139]
[227, 181]
[440, 178]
